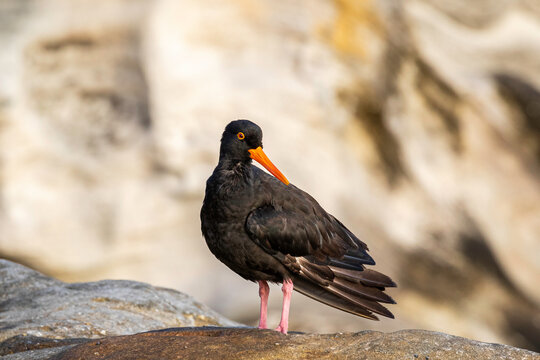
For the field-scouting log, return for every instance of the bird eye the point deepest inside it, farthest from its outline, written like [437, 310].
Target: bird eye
[241, 135]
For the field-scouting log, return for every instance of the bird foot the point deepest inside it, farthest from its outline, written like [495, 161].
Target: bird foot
[282, 329]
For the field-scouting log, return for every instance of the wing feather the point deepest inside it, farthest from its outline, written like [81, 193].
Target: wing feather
[326, 260]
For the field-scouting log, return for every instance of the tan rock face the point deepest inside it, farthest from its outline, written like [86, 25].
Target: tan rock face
[255, 344]
[415, 124]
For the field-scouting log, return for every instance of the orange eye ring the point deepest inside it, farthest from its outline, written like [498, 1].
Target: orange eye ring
[241, 135]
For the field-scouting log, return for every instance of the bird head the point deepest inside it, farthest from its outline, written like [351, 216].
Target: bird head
[242, 141]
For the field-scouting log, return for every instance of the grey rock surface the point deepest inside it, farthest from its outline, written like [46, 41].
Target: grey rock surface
[42, 354]
[26, 346]
[35, 305]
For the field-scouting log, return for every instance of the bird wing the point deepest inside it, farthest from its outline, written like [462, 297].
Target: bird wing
[327, 261]
[292, 222]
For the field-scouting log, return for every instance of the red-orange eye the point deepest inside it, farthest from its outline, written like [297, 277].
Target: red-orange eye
[241, 135]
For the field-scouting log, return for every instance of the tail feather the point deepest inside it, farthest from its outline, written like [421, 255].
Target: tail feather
[322, 271]
[346, 265]
[315, 277]
[367, 277]
[344, 285]
[321, 294]
[361, 301]
[359, 289]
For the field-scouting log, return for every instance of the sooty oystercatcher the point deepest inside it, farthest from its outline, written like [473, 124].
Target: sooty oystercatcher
[266, 229]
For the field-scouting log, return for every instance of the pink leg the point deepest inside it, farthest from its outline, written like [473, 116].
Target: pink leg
[287, 292]
[264, 290]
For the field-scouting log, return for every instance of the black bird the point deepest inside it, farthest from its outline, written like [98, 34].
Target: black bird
[266, 229]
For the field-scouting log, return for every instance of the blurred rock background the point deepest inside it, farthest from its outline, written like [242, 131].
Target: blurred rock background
[417, 123]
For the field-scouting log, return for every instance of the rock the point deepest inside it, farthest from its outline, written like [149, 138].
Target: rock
[415, 124]
[30, 347]
[233, 343]
[43, 318]
[42, 354]
[32, 304]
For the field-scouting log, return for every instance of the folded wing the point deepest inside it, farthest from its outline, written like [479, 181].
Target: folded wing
[326, 260]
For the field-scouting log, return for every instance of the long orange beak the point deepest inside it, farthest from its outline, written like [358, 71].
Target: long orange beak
[259, 156]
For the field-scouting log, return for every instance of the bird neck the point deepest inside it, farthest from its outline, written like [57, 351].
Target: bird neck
[235, 167]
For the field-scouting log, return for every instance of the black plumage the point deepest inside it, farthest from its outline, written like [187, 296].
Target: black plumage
[266, 229]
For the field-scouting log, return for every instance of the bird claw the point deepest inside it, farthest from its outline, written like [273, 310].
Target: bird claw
[281, 329]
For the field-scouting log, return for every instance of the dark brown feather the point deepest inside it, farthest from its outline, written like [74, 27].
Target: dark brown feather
[359, 289]
[348, 284]
[326, 297]
[367, 277]
[362, 302]
[322, 271]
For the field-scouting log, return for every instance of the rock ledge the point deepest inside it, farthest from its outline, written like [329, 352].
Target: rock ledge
[43, 318]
